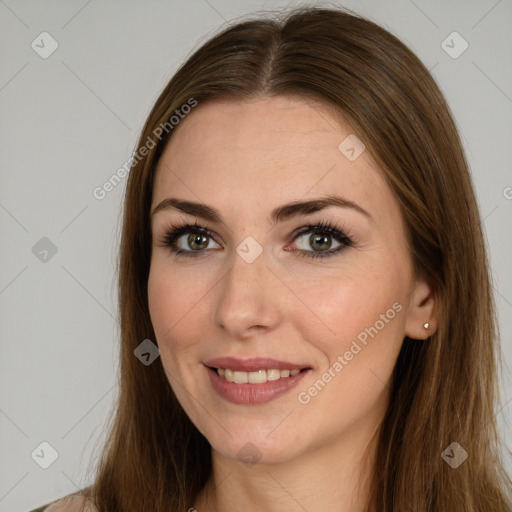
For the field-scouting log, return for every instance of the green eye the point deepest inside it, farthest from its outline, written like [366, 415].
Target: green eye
[199, 237]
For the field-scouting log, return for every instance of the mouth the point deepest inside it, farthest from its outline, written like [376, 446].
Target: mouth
[256, 377]
[254, 381]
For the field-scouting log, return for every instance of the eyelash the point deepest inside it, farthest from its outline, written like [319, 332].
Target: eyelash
[174, 231]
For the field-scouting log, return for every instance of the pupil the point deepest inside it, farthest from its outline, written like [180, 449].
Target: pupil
[319, 239]
[197, 239]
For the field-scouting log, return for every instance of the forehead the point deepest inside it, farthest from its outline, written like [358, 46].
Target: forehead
[263, 152]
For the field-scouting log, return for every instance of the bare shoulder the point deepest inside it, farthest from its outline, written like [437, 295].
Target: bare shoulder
[72, 503]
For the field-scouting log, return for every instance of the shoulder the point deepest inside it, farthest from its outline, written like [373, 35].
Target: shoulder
[71, 503]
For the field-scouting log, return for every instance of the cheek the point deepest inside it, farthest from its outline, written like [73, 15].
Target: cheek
[171, 300]
[353, 376]
[358, 326]
[343, 306]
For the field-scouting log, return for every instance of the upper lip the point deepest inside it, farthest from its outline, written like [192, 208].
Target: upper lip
[253, 364]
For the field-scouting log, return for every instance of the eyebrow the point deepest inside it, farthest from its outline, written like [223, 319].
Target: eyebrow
[279, 214]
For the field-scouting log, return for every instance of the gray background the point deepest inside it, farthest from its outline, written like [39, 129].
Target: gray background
[69, 121]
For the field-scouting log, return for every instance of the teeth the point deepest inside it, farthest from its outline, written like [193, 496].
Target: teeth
[273, 374]
[240, 377]
[257, 377]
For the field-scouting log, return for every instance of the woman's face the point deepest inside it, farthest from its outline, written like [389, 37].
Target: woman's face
[250, 288]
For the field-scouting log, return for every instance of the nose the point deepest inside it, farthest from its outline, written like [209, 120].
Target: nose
[249, 298]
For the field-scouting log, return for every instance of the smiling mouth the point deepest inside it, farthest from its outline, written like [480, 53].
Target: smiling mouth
[256, 377]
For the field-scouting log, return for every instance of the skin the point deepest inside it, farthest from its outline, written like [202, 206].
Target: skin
[245, 159]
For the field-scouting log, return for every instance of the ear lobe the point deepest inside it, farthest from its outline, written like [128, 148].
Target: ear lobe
[421, 311]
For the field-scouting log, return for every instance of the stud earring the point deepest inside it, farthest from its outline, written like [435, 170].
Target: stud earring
[426, 326]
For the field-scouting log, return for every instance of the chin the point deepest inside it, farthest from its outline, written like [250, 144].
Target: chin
[258, 448]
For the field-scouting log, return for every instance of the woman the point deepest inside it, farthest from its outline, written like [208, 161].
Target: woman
[302, 243]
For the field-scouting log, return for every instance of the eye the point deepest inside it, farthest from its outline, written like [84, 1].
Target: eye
[321, 240]
[192, 240]
[187, 239]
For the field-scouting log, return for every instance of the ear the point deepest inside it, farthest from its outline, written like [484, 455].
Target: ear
[421, 311]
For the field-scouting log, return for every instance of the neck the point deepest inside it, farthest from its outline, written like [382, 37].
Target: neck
[333, 477]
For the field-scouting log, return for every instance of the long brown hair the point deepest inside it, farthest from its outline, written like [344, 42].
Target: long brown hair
[444, 390]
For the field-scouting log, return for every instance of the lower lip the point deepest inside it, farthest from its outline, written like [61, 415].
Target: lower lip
[253, 393]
